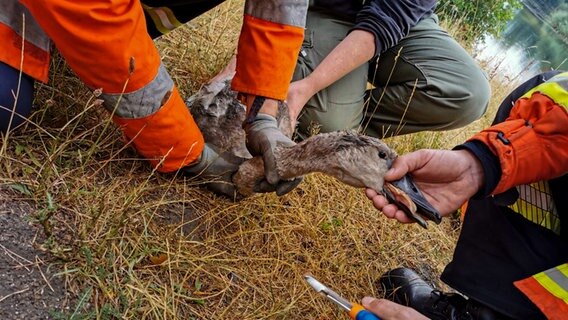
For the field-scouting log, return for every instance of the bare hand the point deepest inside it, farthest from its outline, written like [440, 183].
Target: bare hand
[388, 310]
[298, 95]
[447, 180]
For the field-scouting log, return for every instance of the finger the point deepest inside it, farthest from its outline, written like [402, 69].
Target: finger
[401, 217]
[380, 202]
[391, 211]
[407, 164]
[398, 170]
[370, 193]
[386, 309]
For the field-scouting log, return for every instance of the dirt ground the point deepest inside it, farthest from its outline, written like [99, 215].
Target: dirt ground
[29, 285]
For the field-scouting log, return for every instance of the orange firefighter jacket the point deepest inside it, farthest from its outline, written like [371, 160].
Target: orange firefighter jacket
[107, 44]
[517, 239]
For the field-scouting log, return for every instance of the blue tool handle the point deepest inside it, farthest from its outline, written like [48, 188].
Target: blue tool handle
[366, 315]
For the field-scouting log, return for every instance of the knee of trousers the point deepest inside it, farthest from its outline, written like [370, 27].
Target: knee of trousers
[476, 101]
[466, 104]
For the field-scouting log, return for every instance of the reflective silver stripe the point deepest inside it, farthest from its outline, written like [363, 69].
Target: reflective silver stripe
[561, 79]
[164, 18]
[142, 102]
[558, 277]
[556, 88]
[288, 12]
[536, 204]
[12, 14]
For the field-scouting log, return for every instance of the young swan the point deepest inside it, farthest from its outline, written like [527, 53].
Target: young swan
[354, 159]
[357, 160]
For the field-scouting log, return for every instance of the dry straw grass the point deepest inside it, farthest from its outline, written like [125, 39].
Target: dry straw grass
[134, 244]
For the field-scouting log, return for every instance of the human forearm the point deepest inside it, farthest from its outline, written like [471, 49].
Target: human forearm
[357, 48]
[389, 21]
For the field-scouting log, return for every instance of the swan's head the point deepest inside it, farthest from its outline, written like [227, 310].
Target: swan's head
[359, 160]
[362, 161]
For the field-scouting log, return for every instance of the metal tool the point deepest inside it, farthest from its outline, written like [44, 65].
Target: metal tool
[355, 310]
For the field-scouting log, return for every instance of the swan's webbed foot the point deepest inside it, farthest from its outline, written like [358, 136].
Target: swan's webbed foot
[281, 188]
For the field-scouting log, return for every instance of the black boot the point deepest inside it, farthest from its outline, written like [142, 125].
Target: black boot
[404, 286]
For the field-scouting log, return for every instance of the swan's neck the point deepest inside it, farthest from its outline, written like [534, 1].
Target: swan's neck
[312, 155]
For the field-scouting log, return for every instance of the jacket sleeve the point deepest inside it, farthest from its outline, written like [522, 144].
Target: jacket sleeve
[390, 21]
[269, 43]
[532, 143]
[107, 45]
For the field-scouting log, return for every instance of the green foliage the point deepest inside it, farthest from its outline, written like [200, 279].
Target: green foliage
[479, 18]
[552, 49]
[332, 224]
[543, 31]
[20, 187]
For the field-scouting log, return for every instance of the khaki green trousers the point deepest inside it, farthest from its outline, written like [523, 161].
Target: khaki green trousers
[426, 82]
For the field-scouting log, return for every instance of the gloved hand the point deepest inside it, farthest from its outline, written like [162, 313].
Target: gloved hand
[217, 169]
[263, 136]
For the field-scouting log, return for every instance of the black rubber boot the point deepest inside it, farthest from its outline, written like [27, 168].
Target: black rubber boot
[404, 286]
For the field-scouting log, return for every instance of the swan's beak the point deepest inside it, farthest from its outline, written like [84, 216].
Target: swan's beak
[410, 200]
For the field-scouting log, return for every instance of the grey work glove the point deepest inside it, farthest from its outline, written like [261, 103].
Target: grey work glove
[263, 136]
[217, 169]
